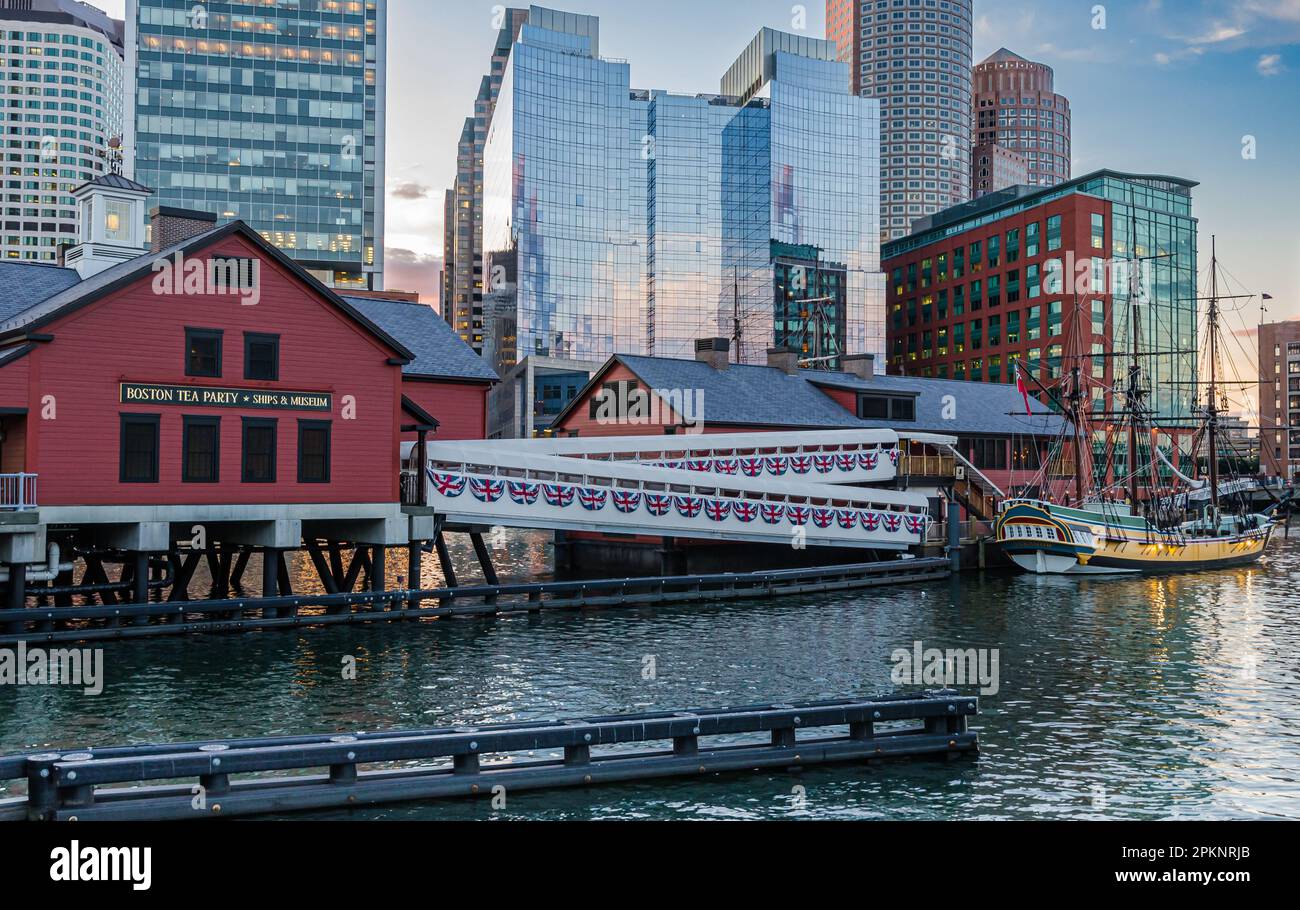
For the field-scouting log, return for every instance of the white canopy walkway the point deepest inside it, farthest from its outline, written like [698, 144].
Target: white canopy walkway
[758, 487]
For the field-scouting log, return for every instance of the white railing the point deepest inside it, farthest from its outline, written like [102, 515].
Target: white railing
[17, 492]
[471, 484]
[966, 463]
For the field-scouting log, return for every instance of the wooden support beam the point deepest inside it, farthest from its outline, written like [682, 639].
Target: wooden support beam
[415, 565]
[484, 558]
[336, 566]
[183, 568]
[140, 578]
[16, 595]
[240, 567]
[360, 559]
[323, 572]
[270, 574]
[96, 574]
[221, 577]
[65, 580]
[379, 570]
[117, 621]
[444, 558]
[286, 582]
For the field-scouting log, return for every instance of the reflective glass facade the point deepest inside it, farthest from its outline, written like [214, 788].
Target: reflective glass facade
[269, 111]
[562, 154]
[644, 221]
[1151, 221]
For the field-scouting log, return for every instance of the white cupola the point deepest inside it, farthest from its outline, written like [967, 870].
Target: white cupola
[110, 224]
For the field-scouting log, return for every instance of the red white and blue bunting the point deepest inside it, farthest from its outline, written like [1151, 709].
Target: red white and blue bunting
[785, 465]
[660, 505]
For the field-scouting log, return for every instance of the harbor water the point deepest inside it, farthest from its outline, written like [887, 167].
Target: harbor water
[1117, 698]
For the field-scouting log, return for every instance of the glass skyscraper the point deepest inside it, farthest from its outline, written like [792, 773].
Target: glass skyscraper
[269, 111]
[643, 221]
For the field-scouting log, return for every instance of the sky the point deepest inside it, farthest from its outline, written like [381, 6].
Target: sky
[1180, 87]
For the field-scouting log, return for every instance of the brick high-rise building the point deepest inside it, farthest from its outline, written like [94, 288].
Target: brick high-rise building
[915, 57]
[1016, 106]
[1041, 278]
[997, 168]
[1279, 399]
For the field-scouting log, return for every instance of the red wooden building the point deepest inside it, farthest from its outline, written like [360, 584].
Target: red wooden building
[210, 383]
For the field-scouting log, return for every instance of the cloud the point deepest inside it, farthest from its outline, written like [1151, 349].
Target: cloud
[1284, 10]
[1270, 65]
[409, 190]
[1168, 58]
[1231, 24]
[407, 270]
[408, 257]
[1217, 34]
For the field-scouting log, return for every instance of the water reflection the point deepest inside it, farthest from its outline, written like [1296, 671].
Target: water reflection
[1120, 697]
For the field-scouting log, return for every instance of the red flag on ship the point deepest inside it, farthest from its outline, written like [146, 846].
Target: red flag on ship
[1022, 388]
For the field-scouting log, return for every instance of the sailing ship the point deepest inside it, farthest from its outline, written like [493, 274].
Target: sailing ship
[1106, 524]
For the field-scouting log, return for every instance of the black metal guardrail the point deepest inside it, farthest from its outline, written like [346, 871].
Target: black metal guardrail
[236, 778]
[127, 621]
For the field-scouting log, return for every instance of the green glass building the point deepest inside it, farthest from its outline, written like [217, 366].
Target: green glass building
[271, 112]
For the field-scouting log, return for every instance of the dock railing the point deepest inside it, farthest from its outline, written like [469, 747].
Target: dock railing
[118, 621]
[18, 492]
[236, 778]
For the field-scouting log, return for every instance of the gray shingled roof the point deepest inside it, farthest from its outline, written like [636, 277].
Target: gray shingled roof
[25, 284]
[439, 352]
[977, 407]
[749, 395]
[77, 289]
[766, 396]
[31, 310]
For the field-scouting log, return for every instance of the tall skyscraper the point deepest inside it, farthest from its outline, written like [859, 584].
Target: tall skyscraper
[465, 282]
[269, 111]
[1016, 108]
[62, 74]
[641, 221]
[915, 57]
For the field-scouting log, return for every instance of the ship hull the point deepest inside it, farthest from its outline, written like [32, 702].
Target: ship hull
[1044, 539]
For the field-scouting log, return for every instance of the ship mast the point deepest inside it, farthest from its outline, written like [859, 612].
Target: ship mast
[1212, 409]
[1076, 421]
